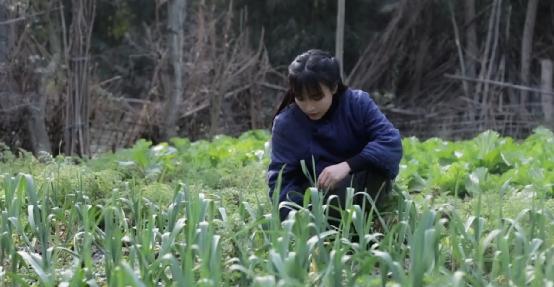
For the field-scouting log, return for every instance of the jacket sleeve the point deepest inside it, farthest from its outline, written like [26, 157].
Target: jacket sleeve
[293, 183]
[384, 148]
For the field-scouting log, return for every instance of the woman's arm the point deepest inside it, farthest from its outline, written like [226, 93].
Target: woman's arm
[284, 161]
[384, 149]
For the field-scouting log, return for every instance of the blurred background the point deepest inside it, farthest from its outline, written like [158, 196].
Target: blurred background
[86, 76]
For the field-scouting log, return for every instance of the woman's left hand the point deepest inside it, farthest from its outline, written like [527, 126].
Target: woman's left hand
[332, 175]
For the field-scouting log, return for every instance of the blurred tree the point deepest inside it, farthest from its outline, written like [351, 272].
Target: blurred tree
[175, 26]
[78, 61]
[3, 32]
[295, 26]
[527, 45]
[339, 41]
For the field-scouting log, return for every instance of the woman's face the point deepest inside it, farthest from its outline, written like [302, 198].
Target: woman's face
[315, 106]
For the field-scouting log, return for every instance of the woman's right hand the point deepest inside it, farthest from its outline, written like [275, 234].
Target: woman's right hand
[332, 175]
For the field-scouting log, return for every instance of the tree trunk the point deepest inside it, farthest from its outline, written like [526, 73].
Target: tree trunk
[527, 47]
[472, 54]
[217, 97]
[36, 125]
[176, 18]
[36, 120]
[421, 55]
[547, 97]
[471, 39]
[339, 42]
[4, 31]
[255, 108]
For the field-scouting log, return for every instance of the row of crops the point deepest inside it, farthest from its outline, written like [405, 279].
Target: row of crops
[478, 212]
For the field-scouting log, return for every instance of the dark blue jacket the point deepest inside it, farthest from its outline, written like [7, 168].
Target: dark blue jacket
[352, 130]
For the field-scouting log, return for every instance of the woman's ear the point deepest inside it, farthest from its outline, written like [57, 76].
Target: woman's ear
[335, 89]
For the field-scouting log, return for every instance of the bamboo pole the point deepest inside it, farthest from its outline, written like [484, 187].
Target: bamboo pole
[339, 43]
[547, 97]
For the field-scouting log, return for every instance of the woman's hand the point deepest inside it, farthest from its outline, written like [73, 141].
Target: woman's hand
[332, 175]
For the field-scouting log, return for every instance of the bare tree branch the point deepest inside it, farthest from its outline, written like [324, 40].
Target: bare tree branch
[23, 18]
[497, 83]
[13, 109]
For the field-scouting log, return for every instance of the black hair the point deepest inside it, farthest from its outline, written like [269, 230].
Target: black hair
[307, 71]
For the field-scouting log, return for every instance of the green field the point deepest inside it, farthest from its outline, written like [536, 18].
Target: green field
[467, 213]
